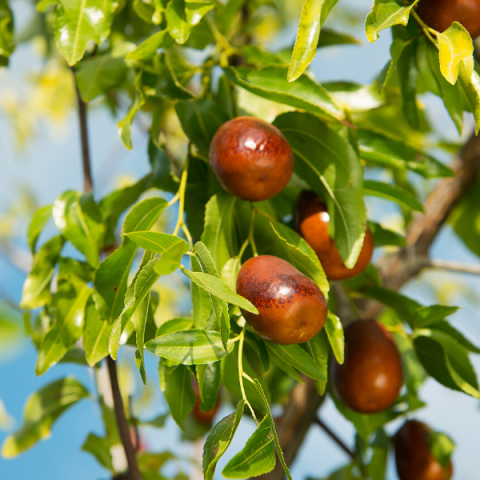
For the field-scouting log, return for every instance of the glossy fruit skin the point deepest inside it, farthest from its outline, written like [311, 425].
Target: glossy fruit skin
[413, 456]
[292, 309]
[311, 222]
[370, 379]
[205, 418]
[440, 14]
[251, 158]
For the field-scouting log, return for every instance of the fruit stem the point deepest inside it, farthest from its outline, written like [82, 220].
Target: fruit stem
[242, 250]
[181, 194]
[241, 374]
[425, 28]
[251, 232]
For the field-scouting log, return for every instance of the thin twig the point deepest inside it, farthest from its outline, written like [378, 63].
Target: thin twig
[82, 117]
[122, 423]
[335, 438]
[452, 266]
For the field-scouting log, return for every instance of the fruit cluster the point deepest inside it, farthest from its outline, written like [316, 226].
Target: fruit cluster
[253, 160]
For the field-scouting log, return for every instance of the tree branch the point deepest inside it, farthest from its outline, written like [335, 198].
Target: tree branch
[335, 438]
[122, 423]
[123, 427]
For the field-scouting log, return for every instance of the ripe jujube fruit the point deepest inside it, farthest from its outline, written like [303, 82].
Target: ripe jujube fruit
[206, 418]
[292, 309]
[251, 158]
[311, 222]
[440, 14]
[414, 457]
[370, 379]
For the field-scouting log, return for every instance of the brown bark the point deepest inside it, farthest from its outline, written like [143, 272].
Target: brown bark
[396, 270]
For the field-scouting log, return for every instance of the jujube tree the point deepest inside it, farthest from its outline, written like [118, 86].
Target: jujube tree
[271, 230]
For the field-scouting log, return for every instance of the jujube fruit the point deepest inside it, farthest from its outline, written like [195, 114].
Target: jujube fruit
[414, 457]
[206, 418]
[440, 14]
[311, 222]
[292, 309]
[251, 158]
[370, 379]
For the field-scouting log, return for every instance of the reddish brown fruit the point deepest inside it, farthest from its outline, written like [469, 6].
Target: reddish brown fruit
[311, 222]
[199, 415]
[440, 14]
[414, 458]
[251, 158]
[292, 309]
[371, 377]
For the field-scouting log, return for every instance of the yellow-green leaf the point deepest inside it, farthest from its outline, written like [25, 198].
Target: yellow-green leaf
[455, 45]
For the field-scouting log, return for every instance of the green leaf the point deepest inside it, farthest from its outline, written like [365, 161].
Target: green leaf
[219, 234]
[278, 448]
[404, 305]
[139, 289]
[408, 74]
[470, 81]
[329, 164]
[40, 218]
[385, 14]
[297, 357]
[217, 288]
[201, 300]
[312, 17]
[455, 45]
[333, 328]
[257, 457]
[96, 333]
[451, 94]
[178, 392]
[270, 82]
[446, 361]
[330, 38]
[396, 50]
[200, 120]
[139, 320]
[191, 347]
[378, 463]
[395, 153]
[79, 22]
[383, 237]
[445, 327]
[68, 306]
[208, 379]
[125, 124]
[156, 242]
[111, 277]
[318, 346]
[178, 25]
[7, 44]
[36, 289]
[298, 252]
[100, 74]
[426, 316]
[150, 12]
[148, 48]
[394, 193]
[196, 9]
[441, 446]
[169, 86]
[78, 217]
[99, 447]
[41, 411]
[219, 439]
[220, 307]
[280, 362]
[465, 219]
